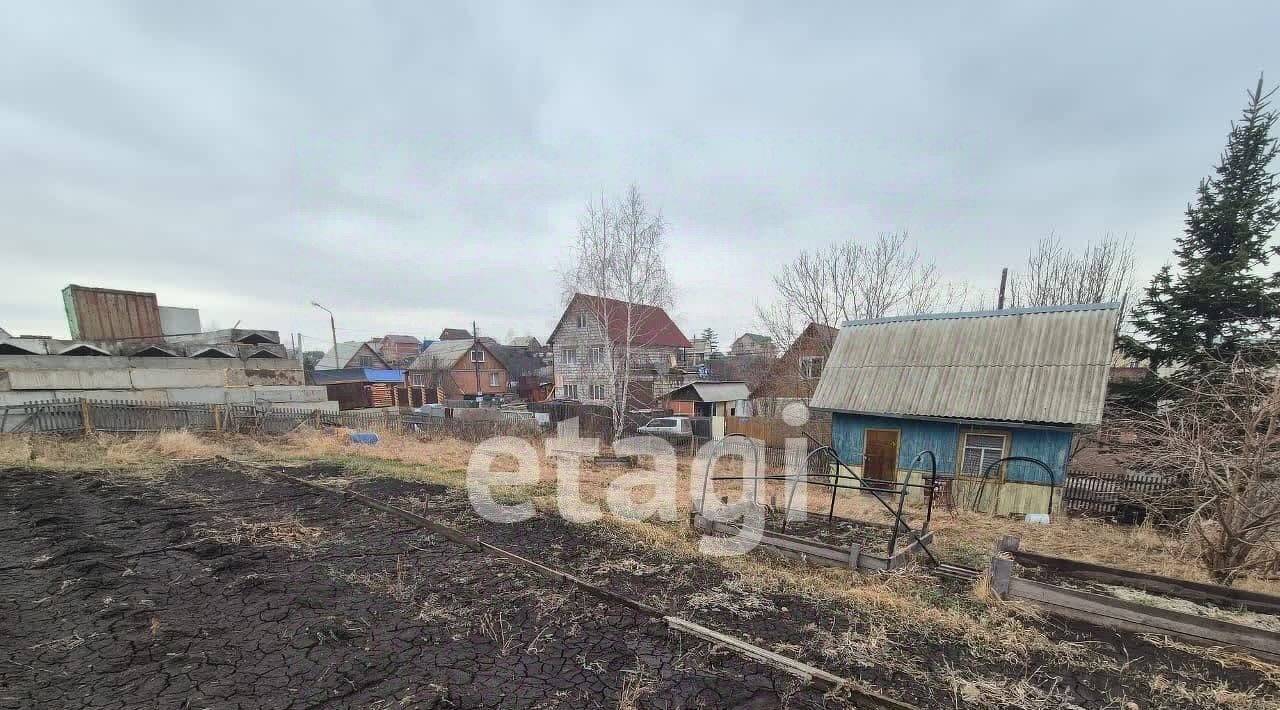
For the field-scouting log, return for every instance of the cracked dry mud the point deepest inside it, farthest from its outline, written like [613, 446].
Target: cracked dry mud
[218, 589]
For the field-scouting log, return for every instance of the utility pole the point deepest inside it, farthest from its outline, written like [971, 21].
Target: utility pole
[1004, 279]
[475, 344]
[334, 331]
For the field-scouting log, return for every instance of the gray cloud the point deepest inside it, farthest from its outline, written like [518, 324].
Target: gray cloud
[416, 166]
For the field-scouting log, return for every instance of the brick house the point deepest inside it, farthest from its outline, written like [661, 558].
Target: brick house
[398, 348]
[588, 342]
[459, 369]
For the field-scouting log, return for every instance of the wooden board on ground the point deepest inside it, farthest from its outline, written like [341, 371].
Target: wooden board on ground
[1185, 589]
[1140, 618]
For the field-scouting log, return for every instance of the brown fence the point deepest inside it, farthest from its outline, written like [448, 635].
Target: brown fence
[1110, 494]
[775, 432]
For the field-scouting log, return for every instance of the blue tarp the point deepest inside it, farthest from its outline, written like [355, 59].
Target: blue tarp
[356, 374]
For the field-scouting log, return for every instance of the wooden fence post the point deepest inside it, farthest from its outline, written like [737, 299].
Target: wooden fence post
[1007, 543]
[86, 417]
[999, 575]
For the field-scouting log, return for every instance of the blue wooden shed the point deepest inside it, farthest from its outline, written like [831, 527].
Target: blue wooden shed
[975, 389]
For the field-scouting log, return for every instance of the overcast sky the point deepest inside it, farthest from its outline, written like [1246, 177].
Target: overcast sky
[418, 165]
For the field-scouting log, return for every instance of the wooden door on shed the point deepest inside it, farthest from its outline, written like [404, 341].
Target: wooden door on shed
[880, 456]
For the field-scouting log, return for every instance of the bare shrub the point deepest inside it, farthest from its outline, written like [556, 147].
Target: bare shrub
[1218, 445]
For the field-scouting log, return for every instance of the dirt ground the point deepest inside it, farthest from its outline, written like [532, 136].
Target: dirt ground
[215, 589]
[905, 634]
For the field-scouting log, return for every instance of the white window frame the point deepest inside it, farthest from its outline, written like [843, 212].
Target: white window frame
[569, 391]
[806, 366]
[477, 355]
[582, 320]
[595, 355]
[988, 455]
[493, 378]
[366, 361]
[419, 379]
[569, 356]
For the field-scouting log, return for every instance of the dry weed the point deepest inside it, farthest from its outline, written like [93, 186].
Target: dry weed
[289, 532]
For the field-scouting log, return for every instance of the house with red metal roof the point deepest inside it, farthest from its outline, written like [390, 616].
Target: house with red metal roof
[606, 351]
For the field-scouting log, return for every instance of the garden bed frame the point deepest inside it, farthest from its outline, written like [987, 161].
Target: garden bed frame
[852, 557]
[1125, 615]
[833, 471]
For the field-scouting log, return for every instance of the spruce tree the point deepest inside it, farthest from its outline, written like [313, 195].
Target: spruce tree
[713, 341]
[1222, 298]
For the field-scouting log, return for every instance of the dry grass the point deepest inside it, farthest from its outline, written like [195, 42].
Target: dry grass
[962, 536]
[289, 532]
[907, 598]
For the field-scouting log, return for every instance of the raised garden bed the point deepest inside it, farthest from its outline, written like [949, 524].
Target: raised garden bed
[1125, 600]
[841, 542]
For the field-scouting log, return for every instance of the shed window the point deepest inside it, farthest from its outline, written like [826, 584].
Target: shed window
[811, 367]
[980, 451]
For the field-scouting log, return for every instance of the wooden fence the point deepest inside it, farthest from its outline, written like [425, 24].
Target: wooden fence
[1110, 494]
[775, 432]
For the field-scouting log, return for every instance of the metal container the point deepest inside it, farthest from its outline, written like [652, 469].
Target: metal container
[108, 314]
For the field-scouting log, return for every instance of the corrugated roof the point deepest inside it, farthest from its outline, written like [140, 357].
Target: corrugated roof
[1045, 365]
[346, 352]
[710, 392]
[442, 354]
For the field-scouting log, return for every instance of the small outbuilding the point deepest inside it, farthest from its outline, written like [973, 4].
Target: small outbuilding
[361, 387]
[709, 399]
[997, 396]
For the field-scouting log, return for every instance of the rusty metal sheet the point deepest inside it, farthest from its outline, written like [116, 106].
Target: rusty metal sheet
[111, 314]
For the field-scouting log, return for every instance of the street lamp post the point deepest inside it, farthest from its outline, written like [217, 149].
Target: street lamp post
[334, 331]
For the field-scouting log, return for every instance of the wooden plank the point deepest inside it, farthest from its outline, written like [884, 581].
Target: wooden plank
[1186, 589]
[1131, 616]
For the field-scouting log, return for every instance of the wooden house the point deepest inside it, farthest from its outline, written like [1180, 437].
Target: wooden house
[457, 369]
[352, 354]
[976, 390]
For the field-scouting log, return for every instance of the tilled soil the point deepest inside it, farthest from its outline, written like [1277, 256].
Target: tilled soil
[841, 532]
[900, 660]
[220, 589]
[216, 589]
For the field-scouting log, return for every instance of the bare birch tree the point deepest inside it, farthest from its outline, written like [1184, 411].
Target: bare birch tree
[1054, 275]
[619, 254]
[853, 281]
